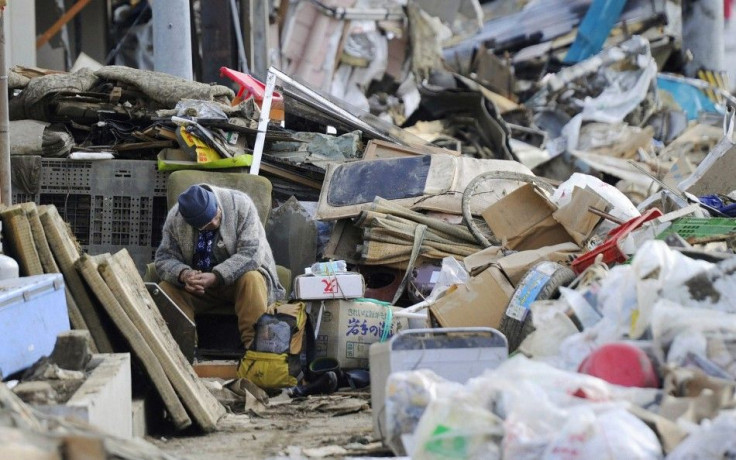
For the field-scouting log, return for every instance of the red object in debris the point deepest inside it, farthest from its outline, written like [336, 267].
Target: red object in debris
[251, 87]
[621, 364]
[610, 249]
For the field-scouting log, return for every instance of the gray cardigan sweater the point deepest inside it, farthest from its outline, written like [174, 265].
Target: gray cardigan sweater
[240, 244]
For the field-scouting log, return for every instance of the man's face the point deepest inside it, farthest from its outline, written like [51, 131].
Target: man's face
[214, 223]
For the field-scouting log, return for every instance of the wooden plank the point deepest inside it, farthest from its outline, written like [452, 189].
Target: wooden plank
[88, 266]
[16, 413]
[121, 275]
[56, 27]
[18, 231]
[66, 252]
[80, 447]
[39, 238]
[381, 149]
[206, 399]
[217, 369]
[50, 266]
[284, 174]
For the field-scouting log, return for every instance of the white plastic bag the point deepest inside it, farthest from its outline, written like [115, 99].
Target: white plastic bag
[603, 435]
[712, 440]
[458, 426]
[554, 414]
[622, 207]
[552, 326]
[452, 273]
[408, 393]
[680, 332]
[713, 287]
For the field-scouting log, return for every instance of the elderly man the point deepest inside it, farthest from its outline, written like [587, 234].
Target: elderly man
[214, 251]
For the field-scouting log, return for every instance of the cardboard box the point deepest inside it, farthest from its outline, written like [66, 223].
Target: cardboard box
[523, 219]
[575, 216]
[346, 329]
[715, 174]
[343, 286]
[481, 301]
[515, 265]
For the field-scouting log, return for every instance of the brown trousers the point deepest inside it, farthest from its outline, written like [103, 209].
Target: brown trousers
[248, 296]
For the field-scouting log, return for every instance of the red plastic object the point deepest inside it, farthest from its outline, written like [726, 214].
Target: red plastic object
[251, 87]
[621, 364]
[610, 249]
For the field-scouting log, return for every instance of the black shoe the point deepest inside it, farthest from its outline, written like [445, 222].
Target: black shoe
[325, 384]
[354, 378]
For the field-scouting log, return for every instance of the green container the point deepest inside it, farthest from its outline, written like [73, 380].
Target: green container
[691, 227]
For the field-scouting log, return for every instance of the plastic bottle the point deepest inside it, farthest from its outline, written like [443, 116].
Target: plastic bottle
[329, 268]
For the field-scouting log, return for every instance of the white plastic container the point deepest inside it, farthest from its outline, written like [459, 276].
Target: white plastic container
[8, 267]
[33, 312]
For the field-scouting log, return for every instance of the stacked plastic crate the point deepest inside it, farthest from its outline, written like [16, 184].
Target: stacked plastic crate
[110, 204]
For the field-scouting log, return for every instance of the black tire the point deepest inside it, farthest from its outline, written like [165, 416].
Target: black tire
[541, 282]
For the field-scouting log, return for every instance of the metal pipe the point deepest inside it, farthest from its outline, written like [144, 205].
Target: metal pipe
[242, 60]
[5, 173]
[172, 38]
[364, 14]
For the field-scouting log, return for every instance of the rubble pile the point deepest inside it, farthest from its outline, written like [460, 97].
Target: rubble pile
[547, 206]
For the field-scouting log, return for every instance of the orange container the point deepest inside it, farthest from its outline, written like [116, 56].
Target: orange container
[251, 87]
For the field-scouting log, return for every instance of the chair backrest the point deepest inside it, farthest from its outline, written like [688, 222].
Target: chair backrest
[258, 188]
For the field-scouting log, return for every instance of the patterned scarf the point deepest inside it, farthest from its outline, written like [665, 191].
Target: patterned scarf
[203, 259]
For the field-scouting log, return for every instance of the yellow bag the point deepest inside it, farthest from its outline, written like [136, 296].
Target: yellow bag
[284, 341]
[267, 370]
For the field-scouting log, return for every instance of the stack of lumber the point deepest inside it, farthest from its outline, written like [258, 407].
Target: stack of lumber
[107, 296]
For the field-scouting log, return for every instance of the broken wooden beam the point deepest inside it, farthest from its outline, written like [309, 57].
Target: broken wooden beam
[50, 266]
[66, 253]
[88, 266]
[121, 275]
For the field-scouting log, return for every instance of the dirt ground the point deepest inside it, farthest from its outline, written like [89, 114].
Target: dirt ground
[334, 426]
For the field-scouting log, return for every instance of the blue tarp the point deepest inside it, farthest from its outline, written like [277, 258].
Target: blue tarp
[594, 29]
[691, 99]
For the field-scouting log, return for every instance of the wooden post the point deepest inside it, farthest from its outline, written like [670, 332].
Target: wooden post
[56, 27]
